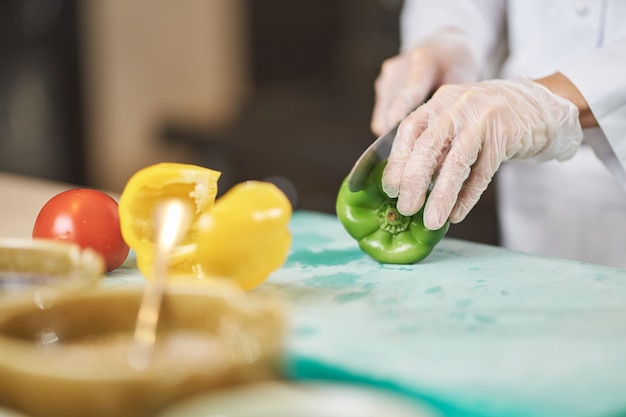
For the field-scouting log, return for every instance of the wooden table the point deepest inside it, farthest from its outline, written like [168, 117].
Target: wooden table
[21, 199]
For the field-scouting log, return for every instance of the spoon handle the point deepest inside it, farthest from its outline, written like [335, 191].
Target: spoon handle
[172, 220]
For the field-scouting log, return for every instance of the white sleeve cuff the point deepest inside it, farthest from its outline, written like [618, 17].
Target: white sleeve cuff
[601, 78]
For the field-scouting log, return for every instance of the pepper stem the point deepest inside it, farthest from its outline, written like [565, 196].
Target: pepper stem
[390, 220]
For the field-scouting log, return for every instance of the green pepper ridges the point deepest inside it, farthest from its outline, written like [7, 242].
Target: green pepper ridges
[371, 218]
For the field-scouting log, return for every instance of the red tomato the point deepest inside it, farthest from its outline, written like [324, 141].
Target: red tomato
[87, 217]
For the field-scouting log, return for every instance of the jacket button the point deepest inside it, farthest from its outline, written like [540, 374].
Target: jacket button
[581, 7]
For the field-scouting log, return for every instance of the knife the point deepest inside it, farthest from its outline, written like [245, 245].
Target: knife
[378, 151]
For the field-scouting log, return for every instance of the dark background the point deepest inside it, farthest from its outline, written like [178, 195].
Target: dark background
[313, 66]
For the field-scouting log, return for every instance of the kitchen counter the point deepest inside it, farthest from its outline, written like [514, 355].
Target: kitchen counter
[473, 330]
[21, 199]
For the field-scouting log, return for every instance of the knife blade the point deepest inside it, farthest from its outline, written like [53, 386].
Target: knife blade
[378, 151]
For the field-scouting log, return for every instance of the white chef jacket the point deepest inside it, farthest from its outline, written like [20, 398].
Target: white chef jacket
[574, 209]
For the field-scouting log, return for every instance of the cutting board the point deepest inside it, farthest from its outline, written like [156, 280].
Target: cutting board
[473, 330]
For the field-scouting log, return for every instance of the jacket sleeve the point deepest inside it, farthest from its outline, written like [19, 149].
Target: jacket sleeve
[600, 76]
[480, 22]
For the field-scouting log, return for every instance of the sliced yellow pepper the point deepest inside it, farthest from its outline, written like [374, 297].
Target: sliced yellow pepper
[144, 190]
[243, 236]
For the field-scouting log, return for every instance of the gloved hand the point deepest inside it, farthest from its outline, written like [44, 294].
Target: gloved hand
[459, 138]
[406, 80]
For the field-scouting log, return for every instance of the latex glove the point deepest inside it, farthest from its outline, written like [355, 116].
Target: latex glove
[406, 80]
[460, 137]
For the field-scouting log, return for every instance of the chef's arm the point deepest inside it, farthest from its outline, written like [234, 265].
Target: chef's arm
[443, 42]
[481, 23]
[560, 85]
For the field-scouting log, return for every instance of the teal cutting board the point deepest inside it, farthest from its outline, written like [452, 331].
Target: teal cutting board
[473, 330]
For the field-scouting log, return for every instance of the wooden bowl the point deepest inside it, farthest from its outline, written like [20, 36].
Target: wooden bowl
[72, 358]
[40, 269]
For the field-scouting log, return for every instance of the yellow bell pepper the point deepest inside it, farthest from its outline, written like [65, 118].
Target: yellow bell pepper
[243, 236]
[144, 190]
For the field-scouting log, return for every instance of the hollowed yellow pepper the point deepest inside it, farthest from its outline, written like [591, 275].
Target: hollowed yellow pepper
[243, 236]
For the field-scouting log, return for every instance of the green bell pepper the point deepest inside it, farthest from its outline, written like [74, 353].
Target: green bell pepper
[371, 218]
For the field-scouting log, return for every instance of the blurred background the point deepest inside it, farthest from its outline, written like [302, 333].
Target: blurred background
[278, 90]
